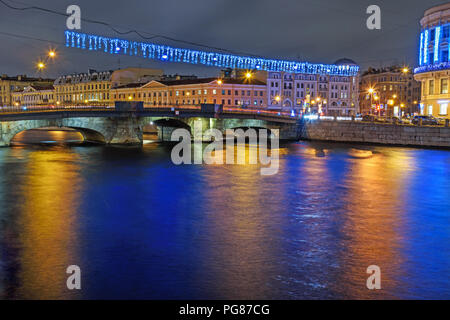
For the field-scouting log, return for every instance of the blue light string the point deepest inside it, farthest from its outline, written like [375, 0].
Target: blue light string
[171, 54]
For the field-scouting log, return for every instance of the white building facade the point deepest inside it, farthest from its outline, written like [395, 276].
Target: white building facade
[314, 93]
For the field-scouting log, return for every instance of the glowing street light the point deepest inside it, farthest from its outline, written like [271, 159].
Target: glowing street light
[405, 70]
[41, 65]
[371, 90]
[277, 98]
[248, 75]
[52, 54]
[219, 82]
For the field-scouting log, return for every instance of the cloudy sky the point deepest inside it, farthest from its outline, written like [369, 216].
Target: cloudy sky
[307, 30]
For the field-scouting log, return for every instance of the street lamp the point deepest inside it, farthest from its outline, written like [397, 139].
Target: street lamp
[371, 92]
[52, 54]
[248, 75]
[40, 65]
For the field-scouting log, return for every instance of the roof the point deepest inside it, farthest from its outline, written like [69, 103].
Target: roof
[42, 87]
[130, 85]
[195, 81]
[345, 61]
[24, 78]
[209, 80]
[92, 75]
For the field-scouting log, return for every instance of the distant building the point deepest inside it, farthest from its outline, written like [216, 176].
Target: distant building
[8, 85]
[386, 91]
[229, 92]
[314, 93]
[84, 88]
[94, 87]
[434, 61]
[34, 95]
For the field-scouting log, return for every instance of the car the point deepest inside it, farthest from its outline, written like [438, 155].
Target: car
[441, 121]
[426, 120]
[368, 117]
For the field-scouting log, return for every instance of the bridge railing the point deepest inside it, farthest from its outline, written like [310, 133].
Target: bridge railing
[147, 107]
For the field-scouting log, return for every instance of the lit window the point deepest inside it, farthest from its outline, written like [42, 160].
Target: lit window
[443, 109]
[430, 110]
[444, 86]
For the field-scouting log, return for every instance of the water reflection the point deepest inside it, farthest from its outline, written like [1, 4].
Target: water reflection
[375, 203]
[141, 227]
[44, 232]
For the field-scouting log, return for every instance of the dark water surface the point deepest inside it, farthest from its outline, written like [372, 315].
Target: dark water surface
[141, 227]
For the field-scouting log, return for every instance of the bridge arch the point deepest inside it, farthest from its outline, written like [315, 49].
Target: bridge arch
[89, 131]
[89, 135]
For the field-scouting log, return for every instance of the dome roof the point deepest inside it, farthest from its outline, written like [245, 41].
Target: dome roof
[346, 62]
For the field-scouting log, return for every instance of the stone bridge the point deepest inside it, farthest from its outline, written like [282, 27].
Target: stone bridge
[127, 127]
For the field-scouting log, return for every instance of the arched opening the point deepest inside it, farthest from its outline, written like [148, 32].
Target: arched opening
[287, 103]
[165, 127]
[57, 136]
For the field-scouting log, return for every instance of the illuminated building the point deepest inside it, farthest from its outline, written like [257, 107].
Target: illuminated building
[34, 95]
[8, 85]
[230, 92]
[93, 87]
[314, 93]
[434, 64]
[383, 91]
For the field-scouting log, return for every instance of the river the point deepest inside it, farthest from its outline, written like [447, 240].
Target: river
[140, 227]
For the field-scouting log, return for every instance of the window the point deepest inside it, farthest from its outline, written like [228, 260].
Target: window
[443, 109]
[430, 110]
[444, 85]
[432, 34]
[431, 87]
[445, 32]
[444, 56]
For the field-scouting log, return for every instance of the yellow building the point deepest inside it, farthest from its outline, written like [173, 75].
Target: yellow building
[8, 85]
[34, 96]
[85, 88]
[434, 62]
[229, 92]
[93, 88]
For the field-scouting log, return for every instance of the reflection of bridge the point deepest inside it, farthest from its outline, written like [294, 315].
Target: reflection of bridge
[107, 125]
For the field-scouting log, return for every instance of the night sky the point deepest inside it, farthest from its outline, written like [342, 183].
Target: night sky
[308, 30]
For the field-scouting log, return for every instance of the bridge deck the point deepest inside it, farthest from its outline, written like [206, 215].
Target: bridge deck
[75, 112]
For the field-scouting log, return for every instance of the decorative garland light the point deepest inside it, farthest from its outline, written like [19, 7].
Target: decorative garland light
[166, 53]
[433, 67]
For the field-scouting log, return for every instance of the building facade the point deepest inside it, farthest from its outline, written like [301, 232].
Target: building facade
[387, 91]
[434, 62]
[314, 93]
[9, 85]
[34, 96]
[93, 87]
[228, 92]
[84, 88]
